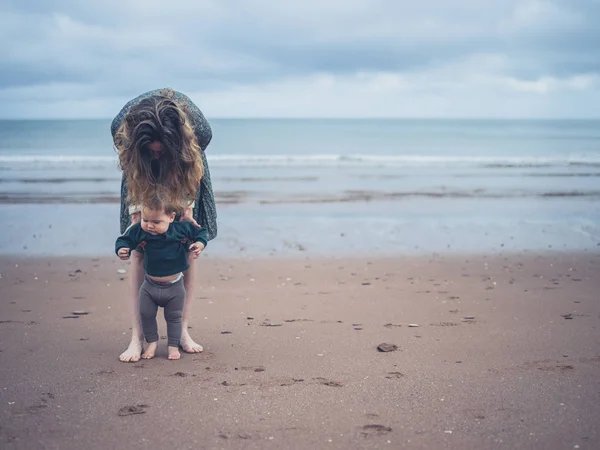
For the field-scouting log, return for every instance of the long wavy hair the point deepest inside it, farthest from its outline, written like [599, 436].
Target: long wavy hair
[175, 176]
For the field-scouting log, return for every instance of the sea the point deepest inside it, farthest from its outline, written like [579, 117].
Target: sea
[323, 187]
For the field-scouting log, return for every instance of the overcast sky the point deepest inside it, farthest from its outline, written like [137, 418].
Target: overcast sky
[322, 58]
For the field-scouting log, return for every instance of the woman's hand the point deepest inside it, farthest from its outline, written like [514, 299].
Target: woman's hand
[196, 248]
[123, 253]
[188, 216]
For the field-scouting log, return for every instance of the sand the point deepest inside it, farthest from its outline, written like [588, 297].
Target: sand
[506, 354]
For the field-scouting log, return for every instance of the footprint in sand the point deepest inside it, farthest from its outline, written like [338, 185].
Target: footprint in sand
[37, 408]
[253, 368]
[375, 430]
[228, 435]
[394, 375]
[326, 382]
[132, 410]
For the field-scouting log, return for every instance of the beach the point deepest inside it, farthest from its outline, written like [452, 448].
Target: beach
[374, 284]
[493, 351]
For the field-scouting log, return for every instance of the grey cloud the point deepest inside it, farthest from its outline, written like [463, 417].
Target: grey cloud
[212, 44]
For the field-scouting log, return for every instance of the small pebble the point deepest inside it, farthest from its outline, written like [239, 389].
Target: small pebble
[387, 347]
[121, 271]
[413, 325]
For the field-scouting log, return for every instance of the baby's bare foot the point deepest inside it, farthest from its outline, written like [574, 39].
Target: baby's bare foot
[150, 351]
[174, 352]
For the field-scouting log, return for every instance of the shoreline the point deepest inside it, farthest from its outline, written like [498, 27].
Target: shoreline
[505, 355]
[377, 228]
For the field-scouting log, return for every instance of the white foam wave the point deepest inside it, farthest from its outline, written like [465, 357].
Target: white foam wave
[16, 162]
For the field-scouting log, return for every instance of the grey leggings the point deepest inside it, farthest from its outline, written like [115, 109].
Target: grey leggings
[170, 296]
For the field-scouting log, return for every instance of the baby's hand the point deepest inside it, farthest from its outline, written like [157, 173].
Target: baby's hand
[196, 248]
[123, 253]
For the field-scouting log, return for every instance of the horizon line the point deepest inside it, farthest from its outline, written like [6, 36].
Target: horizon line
[320, 118]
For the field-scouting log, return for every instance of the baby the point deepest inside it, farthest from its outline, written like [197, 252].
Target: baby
[165, 244]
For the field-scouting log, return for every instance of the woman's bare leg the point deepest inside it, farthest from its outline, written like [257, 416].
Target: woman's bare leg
[189, 281]
[136, 276]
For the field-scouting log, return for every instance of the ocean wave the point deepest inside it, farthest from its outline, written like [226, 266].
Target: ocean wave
[359, 196]
[361, 160]
[33, 162]
[62, 162]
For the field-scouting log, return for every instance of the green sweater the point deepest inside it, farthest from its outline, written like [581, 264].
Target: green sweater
[164, 254]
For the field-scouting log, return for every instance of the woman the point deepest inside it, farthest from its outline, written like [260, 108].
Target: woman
[161, 137]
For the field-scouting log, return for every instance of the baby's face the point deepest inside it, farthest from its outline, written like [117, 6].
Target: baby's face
[156, 221]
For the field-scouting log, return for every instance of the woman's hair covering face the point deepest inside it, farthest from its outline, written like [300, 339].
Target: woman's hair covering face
[176, 174]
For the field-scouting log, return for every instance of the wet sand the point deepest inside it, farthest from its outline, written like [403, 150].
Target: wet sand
[506, 354]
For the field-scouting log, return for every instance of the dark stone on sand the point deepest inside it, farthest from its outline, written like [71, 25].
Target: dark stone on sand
[269, 324]
[469, 318]
[366, 284]
[567, 316]
[387, 347]
[80, 313]
[180, 374]
[250, 318]
[131, 410]
[70, 317]
[225, 332]
[358, 328]
[259, 369]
